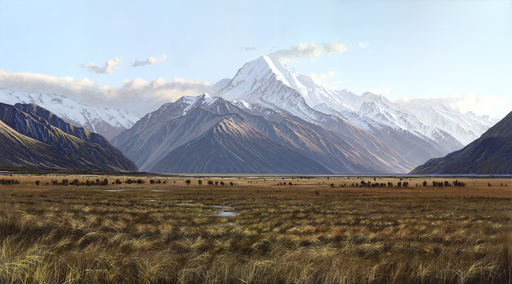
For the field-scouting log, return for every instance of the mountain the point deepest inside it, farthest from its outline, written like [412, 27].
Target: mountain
[270, 83]
[34, 137]
[234, 146]
[104, 121]
[21, 151]
[193, 130]
[489, 154]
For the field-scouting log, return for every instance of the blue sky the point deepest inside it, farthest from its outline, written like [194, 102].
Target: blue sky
[457, 50]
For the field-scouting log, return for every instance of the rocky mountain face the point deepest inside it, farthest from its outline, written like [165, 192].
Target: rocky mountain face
[489, 154]
[270, 102]
[272, 84]
[203, 126]
[35, 137]
[233, 146]
[104, 121]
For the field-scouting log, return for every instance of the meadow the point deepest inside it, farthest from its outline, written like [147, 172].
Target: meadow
[261, 229]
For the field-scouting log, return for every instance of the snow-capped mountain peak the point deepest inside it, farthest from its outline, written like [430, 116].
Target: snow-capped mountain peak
[105, 121]
[270, 83]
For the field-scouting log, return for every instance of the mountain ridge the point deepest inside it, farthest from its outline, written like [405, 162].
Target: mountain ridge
[63, 150]
[175, 124]
[256, 83]
[105, 121]
[489, 154]
[236, 147]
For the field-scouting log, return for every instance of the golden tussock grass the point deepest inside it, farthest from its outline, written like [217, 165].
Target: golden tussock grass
[305, 233]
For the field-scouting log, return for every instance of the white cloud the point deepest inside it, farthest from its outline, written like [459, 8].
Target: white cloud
[321, 77]
[362, 44]
[137, 96]
[379, 91]
[327, 79]
[107, 68]
[248, 48]
[154, 93]
[149, 61]
[308, 50]
[493, 105]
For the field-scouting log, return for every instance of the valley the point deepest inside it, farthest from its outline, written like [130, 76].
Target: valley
[148, 228]
[281, 142]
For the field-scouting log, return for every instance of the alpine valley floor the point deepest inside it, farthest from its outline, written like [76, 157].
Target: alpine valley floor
[158, 229]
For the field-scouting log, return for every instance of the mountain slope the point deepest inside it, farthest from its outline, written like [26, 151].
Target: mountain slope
[354, 151]
[104, 121]
[489, 154]
[70, 151]
[20, 151]
[268, 82]
[234, 146]
[261, 85]
[175, 124]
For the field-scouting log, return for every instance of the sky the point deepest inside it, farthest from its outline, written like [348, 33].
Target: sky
[156, 51]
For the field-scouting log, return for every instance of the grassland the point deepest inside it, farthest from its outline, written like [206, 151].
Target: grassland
[317, 230]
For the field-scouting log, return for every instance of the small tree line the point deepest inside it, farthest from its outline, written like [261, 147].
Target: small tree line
[209, 182]
[9, 181]
[102, 182]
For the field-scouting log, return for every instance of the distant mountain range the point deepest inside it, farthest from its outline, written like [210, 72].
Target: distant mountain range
[270, 119]
[34, 137]
[272, 84]
[266, 101]
[104, 121]
[195, 124]
[489, 154]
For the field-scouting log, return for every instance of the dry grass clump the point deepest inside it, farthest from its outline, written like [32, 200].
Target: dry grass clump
[344, 235]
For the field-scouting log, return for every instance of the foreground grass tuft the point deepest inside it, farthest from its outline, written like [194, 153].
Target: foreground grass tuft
[163, 234]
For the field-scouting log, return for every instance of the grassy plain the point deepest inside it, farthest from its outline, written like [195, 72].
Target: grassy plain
[307, 232]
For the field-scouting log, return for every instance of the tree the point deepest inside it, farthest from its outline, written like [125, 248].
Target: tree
[231, 183]
[187, 181]
[200, 182]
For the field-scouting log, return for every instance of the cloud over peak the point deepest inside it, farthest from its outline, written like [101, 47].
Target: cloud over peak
[127, 96]
[248, 48]
[149, 61]
[308, 50]
[108, 67]
[497, 105]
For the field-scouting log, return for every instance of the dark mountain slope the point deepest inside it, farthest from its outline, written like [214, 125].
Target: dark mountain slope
[489, 154]
[176, 124]
[234, 146]
[69, 151]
